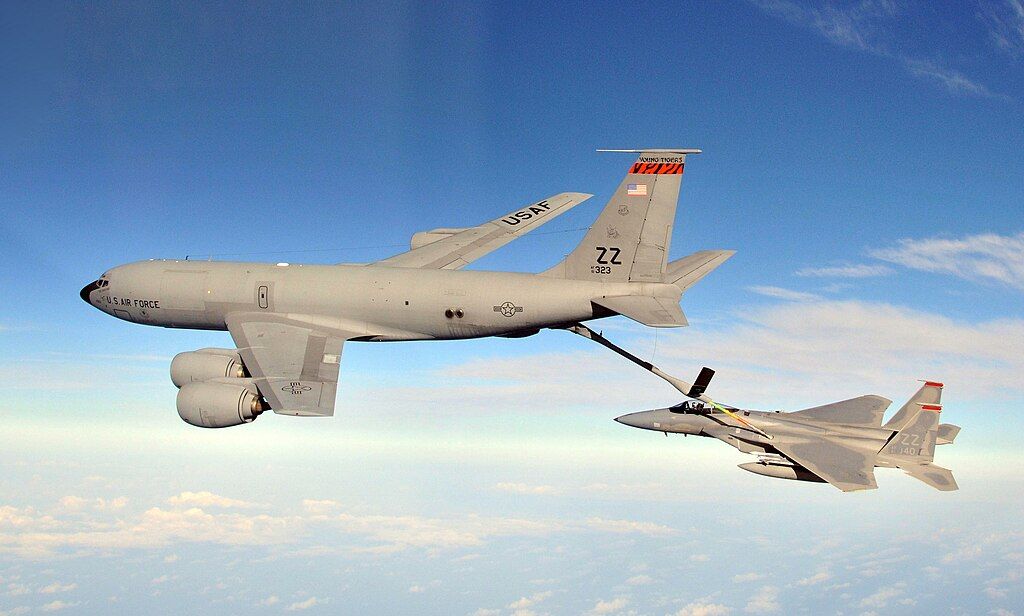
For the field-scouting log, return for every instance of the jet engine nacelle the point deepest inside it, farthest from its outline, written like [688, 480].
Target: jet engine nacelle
[206, 364]
[218, 404]
[423, 238]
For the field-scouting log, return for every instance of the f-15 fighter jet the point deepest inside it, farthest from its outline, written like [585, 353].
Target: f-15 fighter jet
[289, 322]
[839, 443]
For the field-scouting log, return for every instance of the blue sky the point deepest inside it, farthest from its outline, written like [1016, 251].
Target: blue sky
[862, 157]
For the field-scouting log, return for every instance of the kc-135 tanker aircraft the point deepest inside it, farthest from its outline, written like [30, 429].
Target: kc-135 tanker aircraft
[839, 443]
[289, 322]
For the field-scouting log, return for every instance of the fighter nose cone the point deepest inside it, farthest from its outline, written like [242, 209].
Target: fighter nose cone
[637, 420]
[87, 290]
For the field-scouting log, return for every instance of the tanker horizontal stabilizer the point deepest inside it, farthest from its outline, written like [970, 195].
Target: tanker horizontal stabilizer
[688, 271]
[646, 310]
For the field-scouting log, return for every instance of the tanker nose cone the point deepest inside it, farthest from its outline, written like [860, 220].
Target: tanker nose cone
[87, 290]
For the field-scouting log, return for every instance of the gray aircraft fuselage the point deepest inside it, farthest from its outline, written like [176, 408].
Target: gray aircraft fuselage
[780, 425]
[379, 303]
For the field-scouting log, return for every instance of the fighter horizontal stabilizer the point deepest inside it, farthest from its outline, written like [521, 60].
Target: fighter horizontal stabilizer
[646, 310]
[947, 434]
[937, 477]
[861, 411]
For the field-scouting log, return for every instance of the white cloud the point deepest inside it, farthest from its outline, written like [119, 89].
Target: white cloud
[747, 577]
[114, 503]
[268, 601]
[54, 606]
[704, 609]
[639, 580]
[1005, 20]
[56, 587]
[817, 578]
[207, 499]
[72, 503]
[305, 605]
[953, 80]
[319, 507]
[628, 526]
[418, 588]
[16, 611]
[964, 553]
[77, 503]
[525, 602]
[868, 25]
[986, 257]
[699, 558]
[764, 601]
[848, 348]
[487, 612]
[610, 607]
[860, 26]
[523, 488]
[845, 271]
[883, 596]
[31, 534]
[786, 294]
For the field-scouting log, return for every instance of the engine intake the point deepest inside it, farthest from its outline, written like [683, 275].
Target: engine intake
[206, 364]
[218, 404]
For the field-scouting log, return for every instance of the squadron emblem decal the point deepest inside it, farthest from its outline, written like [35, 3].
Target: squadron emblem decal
[508, 309]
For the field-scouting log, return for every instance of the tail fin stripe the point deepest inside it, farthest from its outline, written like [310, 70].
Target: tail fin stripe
[656, 169]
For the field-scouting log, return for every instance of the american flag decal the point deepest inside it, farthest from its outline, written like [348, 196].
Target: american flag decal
[636, 190]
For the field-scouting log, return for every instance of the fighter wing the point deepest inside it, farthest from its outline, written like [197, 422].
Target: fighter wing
[862, 411]
[845, 468]
[457, 248]
[293, 363]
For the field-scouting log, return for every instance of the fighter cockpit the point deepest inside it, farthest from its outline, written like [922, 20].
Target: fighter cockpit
[692, 407]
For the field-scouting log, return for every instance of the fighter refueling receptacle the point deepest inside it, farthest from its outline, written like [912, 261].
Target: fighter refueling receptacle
[289, 322]
[839, 443]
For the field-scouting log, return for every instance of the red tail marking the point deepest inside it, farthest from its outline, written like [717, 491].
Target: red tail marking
[657, 168]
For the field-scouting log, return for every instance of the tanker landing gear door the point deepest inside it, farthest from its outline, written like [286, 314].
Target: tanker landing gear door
[263, 295]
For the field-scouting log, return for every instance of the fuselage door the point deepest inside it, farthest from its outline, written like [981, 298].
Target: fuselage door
[263, 296]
